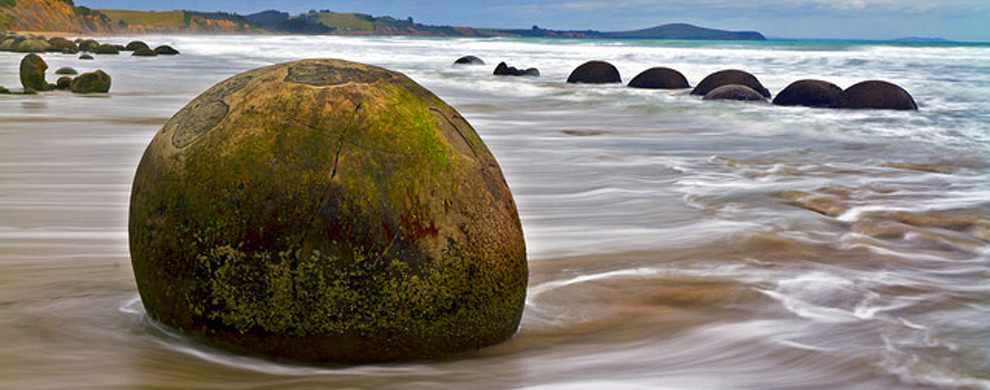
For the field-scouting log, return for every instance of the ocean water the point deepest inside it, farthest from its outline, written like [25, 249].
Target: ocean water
[673, 243]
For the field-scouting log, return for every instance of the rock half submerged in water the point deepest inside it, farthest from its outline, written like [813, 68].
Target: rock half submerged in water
[660, 78]
[595, 72]
[166, 50]
[727, 77]
[327, 211]
[734, 92]
[808, 93]
[502, 69]
[469, 60]
[876, 94]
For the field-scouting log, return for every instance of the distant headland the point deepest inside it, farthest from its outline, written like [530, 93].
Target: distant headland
[65, 16]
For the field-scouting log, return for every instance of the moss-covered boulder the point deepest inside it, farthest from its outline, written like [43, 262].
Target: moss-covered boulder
[727, 77]
[809, 93]
[85, 57]
[92, 82]
[327, 211]
[166, 50]
[63, 83]
[88, 45]
[595, 72]
[107, 48]
[144, 52]
[135, 45]
[7, 44]
[4, 91]
[877, 95]
[32, 46]
[66, 71]
[62, 45]
[660, 78]
[32, 72]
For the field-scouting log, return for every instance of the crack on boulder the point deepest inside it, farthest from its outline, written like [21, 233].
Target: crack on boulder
[321, 74]
[460, 144]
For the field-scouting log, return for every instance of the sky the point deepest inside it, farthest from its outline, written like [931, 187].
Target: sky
[961, 20]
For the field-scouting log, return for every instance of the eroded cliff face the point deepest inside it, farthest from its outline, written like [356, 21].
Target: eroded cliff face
[61, 16]
[50, 15]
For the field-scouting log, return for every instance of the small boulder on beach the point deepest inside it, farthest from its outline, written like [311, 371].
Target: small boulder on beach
[808, 93]
[144, 52]
[727, 77]
[166, 50]
[32, 72]
[734, 92]
[660, 78]
[32, 46]
[136, 45]
[92, 82]
[107, 48]
[85, 57]
[876, 94]
[595, 72]
[505, 70]
[88, 45]
[63, 83]
[62, 45]
[66, 70]
[4, 91]
[469, 60]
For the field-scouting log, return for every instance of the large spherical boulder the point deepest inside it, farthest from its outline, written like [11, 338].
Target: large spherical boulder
[595, 72]
[660, 78]
[92, 82]
[107, 48]
[166, 50]
[328, 211]
[135, 45]
[876, 94]
[726, 77]
[808, 93]
[469, 60]
[734, 92]
[32, 73]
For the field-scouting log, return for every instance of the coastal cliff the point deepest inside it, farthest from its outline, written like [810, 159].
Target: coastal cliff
[63, 16]
[50, 15]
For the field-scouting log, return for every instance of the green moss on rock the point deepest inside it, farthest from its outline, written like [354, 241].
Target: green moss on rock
[329, 211]
[32, 73]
